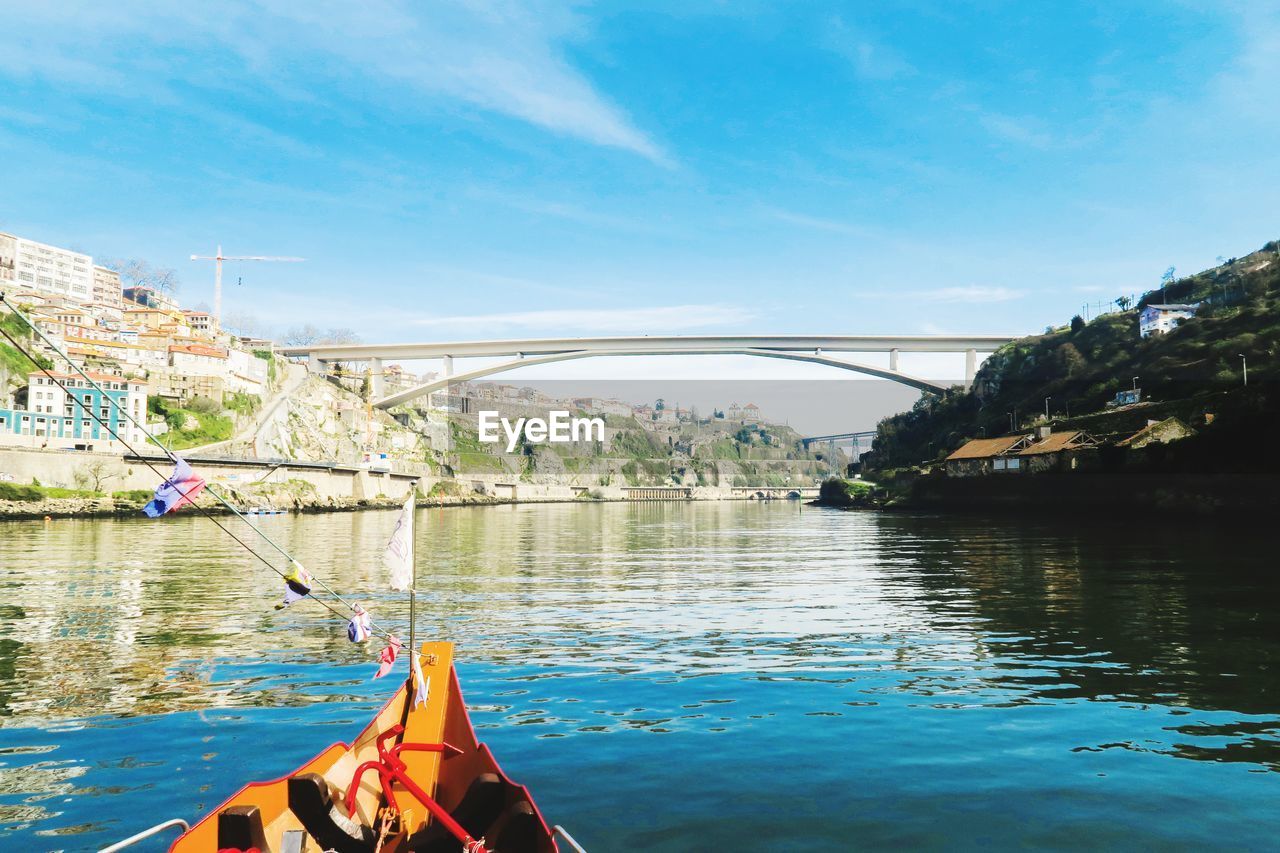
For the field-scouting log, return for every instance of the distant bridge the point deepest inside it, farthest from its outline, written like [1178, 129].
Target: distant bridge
[855, 437]
[529, 352]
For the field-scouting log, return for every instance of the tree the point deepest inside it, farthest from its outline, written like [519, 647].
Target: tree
[1123, 302]
[244, 324]
[1077, 323]
[659, 405]
[308, 334]
[1068, 359]
[92, 476]
[302, 336]
[137, 272]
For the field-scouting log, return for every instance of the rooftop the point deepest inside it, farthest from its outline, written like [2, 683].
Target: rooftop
[1056, 441]
[981, 448]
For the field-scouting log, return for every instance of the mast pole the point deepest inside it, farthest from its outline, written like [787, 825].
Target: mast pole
[413, 570]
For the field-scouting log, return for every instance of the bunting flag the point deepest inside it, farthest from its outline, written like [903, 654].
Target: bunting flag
[360, 626]
[387, 656]
[398, 558]
[297, 585]
[424, 684]
[175, 492]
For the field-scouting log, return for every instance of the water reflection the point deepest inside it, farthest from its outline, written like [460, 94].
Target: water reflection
[607, 622]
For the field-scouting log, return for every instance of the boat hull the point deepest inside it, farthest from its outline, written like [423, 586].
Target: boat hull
[439, 756]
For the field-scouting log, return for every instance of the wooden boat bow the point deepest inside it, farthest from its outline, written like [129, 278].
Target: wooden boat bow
[415, 779]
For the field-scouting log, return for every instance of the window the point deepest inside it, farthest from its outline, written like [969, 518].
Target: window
[1015, 464]
[998, 464]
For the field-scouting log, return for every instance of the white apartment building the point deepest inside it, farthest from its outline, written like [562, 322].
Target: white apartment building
[45, 269]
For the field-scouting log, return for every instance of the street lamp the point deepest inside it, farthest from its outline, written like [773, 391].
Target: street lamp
[1046, 407]
[1135, 382]
[1244, 367]
[1013, 421]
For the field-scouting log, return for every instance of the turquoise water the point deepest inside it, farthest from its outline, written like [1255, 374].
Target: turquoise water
[674, 677]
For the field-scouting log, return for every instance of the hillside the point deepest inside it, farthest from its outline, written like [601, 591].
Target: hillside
[1193, 371]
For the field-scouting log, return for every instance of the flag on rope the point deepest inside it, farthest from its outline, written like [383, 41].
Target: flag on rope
[297, 585]
[423, 684]
[360, 626]
[387, 656]
[398, 558]
[175, 492]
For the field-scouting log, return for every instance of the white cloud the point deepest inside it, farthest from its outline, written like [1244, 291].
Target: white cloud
[655, 320]
[504, 59]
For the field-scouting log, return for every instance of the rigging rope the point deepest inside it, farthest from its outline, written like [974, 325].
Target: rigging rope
[172, 458]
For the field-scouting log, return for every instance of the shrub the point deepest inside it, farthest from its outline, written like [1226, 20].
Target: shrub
[203, 406]
[15, 492]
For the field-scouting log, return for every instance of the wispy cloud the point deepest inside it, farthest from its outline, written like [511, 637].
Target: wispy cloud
[871, 59]
[970, 294]
[505, 59]
[1023, 131]
[819, 223]
[657, 320]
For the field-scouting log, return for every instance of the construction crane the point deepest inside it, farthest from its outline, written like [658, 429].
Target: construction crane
[217, 273]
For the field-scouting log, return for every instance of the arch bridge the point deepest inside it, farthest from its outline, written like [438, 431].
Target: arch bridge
[529, 352]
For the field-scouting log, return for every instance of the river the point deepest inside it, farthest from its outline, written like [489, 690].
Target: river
[674, 676]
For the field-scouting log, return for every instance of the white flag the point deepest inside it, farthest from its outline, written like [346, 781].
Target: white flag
[398, 558]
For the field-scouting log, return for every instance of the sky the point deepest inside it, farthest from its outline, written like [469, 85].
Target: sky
[463, 170]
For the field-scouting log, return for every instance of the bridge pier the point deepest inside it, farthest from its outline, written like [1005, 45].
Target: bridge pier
[970, 367]
[377, 383]
[893, 359]
[314, 364]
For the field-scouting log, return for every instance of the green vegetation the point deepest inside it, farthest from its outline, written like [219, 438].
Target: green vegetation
[838, 492]
[201, 422]
[35, 492]
[637, 443]
[270, 359]
[1193, 370]
[242, 403]
[12, 362]
[445, 488]
[15, 492]
[139, 496]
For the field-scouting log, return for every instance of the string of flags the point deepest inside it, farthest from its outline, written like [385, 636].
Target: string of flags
[297, 585]
[387, 657]
[182, 488]
[361, 626]
[184, 485]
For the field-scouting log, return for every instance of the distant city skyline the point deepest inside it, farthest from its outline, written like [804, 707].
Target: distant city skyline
[457, 173]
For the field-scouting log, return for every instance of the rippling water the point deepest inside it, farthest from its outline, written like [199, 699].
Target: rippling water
[673, 677]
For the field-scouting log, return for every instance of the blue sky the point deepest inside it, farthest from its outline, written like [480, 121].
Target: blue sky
[460, 170]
